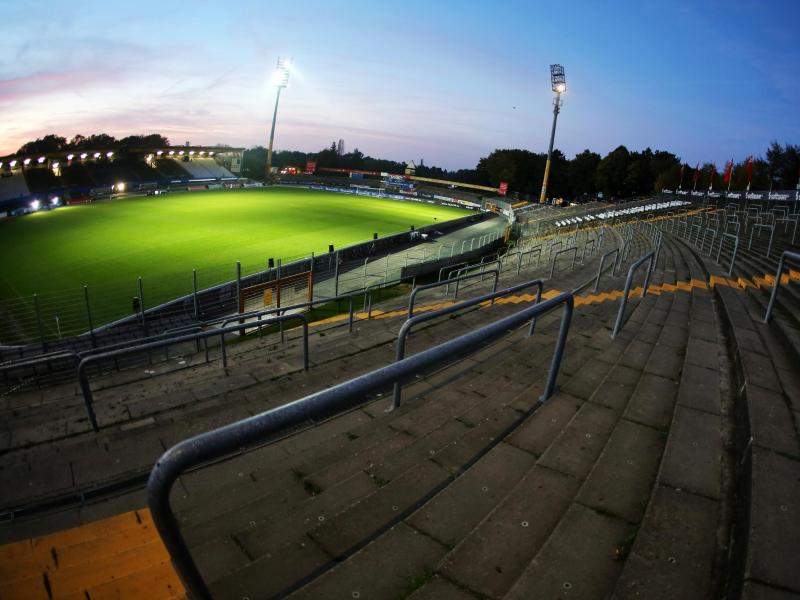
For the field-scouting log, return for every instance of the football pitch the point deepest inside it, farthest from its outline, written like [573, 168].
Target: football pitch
[108, 245]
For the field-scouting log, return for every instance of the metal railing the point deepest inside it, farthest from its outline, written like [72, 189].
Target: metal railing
[647, 258]
[83, 376]
[786, 254]
[600, 267]
[413, 296]
[249, 432]
[405, 329]
[759, 226]
[735, 239]
[572, 249]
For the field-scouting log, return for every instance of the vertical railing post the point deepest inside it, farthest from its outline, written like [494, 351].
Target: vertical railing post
[39, 322]
[336, 276]
[194, 294]
[238, 287]
[141, 307]
[89, 315]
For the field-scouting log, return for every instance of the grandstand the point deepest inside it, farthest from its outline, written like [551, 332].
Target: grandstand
[640, 441]
[91, 173]
[13, 186]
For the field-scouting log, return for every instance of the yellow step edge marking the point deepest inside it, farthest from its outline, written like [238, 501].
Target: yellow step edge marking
[110, 558]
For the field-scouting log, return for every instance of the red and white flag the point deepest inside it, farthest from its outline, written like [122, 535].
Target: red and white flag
[749, 171]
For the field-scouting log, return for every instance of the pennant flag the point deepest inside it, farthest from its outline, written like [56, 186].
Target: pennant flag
[712, 176]
[728, 172]
[696, 172]
[749, 170]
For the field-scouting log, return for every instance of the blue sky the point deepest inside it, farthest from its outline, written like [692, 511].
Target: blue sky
[444, 81]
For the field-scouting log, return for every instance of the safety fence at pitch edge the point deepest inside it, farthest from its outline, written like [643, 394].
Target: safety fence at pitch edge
[123, 309]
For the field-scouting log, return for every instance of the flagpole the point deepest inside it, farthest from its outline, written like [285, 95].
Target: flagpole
[730, 175]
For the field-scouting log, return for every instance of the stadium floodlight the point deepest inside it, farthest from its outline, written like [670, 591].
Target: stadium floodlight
[211, 153]
[12, 164]
[35, 204]
[1, 164]
[180, 153]
[70, 156]
[159, 153]
[26, 162]
[202, 152]
[191, 152]
[54, 201]
[55, 164]
[120, 187]
[280, 79]
[171, 152]
[559, 84]
[41, 159]
[84, 155]
[96, 155]
[109, 154]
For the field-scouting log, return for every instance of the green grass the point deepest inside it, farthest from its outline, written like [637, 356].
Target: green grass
[107, 245]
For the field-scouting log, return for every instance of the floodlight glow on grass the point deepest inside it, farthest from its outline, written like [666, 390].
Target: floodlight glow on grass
[41, 159]
[35, 205]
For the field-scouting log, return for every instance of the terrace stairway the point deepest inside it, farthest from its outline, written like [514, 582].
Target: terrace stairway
[621, 485]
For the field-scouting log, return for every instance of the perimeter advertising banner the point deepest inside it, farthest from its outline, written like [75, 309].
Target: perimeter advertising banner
[311, 167]
[738, 196]
[503, 188]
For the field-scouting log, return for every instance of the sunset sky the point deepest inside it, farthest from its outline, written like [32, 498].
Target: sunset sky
[444, 81]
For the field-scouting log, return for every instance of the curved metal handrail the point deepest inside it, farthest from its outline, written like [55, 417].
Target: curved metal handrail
[83, 376]
[249, 432]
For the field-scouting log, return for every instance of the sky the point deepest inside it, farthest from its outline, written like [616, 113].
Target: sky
[444, 81]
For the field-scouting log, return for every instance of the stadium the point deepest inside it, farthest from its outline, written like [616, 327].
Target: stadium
[376, 380]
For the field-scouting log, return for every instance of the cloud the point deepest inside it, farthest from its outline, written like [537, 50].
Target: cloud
[20, 89]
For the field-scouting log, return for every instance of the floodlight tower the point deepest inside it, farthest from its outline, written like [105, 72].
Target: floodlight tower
[559, 85]
[280, 79]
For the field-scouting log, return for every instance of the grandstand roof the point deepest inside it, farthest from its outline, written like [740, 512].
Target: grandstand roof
[102, 152]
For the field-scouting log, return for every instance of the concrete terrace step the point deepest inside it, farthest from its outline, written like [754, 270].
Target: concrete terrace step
[770, 449]
[170, 429]
[431, 519]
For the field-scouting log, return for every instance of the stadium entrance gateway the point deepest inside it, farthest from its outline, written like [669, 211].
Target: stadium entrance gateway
[286, 291]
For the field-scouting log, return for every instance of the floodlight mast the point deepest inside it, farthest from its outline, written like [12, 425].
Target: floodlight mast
[280, 79]
[559, 84]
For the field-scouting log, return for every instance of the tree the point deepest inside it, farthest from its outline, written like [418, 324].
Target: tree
[48, 143]
[783, 164]
[581, 171]
[152, 140]
[612, 171]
